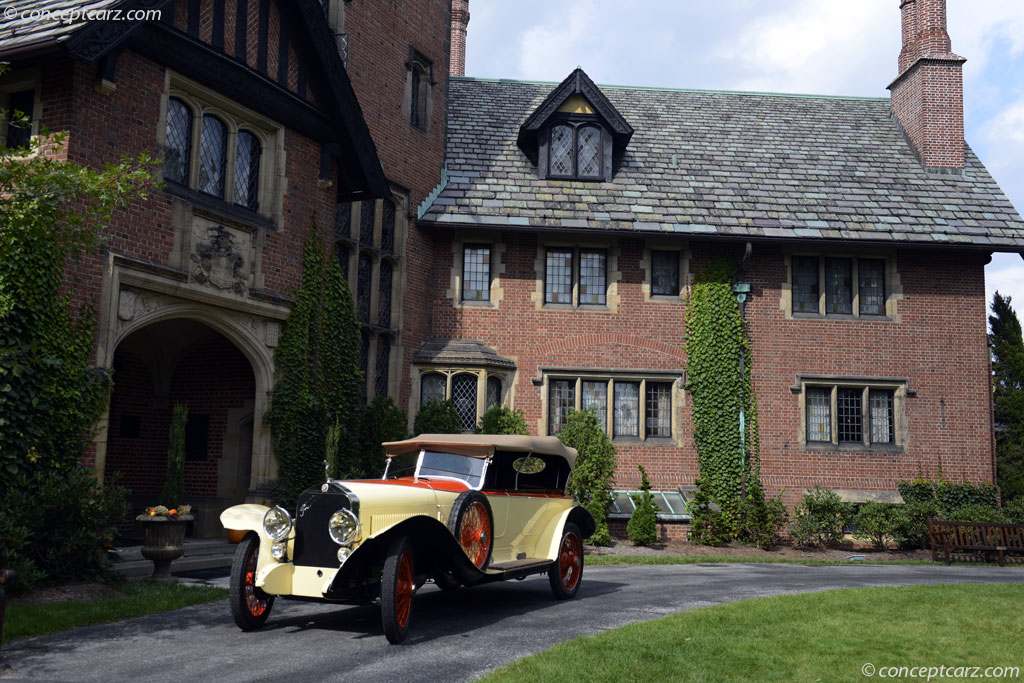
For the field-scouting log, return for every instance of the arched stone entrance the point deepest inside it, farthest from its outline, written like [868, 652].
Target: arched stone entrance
[217, 368]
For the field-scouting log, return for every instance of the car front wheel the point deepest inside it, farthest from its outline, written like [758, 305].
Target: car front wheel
[250, 606]
[566, 573]
[397, 587]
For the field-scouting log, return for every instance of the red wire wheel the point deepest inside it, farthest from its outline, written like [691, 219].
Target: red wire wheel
[566, 572]
[250, 606]
[398, 585]
[472, 525]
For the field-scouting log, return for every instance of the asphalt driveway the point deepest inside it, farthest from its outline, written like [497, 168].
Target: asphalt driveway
[455, 636]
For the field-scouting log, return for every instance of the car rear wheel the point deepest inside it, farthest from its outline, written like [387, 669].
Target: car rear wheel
[566, 573]
[250, 606]
[472, 525]
[397, 588]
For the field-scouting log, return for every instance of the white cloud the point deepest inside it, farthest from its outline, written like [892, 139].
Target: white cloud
[1006, 275]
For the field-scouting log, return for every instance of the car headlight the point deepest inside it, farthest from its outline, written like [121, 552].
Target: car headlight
[277, 523]
[343, 526]
[344, 554]
[279, 551]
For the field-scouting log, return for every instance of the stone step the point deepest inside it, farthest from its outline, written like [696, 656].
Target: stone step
[201, 553]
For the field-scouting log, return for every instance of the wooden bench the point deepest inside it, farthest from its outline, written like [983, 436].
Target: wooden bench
[976, 541]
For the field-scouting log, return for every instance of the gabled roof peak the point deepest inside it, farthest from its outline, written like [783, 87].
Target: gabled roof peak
[576, 83]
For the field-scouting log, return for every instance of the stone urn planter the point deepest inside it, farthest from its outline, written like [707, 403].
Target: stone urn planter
[163, 540]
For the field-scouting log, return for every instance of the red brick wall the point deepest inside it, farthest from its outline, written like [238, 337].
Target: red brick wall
[460, 21]
[938, 344]
[380, 35]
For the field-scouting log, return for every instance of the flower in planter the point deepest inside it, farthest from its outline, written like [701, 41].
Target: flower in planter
[162, 513]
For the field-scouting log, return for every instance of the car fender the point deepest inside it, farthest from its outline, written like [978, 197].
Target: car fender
[247, 517]
[551, 539]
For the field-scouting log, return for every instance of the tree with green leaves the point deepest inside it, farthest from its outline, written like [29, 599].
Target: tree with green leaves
[437, 417]
[320, 380]
[1007, 346]
[590, 481]
[382, 421]
[53, 211]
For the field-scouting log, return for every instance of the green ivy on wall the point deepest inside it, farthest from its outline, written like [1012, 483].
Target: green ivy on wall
[715, 338]
[320, 382]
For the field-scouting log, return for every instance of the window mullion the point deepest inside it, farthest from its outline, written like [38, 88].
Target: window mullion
[575, 276]
[855, 288]
[821, 286]
[834, 415]
[609, 423]
[578, 398]
[642, 417]
[865, 417]
[196, 149]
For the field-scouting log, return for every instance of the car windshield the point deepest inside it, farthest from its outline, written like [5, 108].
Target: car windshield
[452, 466]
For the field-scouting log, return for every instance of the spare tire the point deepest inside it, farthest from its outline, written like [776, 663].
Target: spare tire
[472, 525]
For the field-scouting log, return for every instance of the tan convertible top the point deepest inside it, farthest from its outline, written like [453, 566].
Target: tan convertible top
[482, 445]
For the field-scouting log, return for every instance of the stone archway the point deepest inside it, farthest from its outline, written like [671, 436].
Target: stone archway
[183, 360]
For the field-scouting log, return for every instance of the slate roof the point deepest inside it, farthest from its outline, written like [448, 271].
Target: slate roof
[462, 352]
[716, 163]
[38, 22]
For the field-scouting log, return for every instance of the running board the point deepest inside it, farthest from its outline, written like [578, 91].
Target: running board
[517, 569]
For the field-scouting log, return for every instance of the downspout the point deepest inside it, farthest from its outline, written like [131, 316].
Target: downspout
[741, 289]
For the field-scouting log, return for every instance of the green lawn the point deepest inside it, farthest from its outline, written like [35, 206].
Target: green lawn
[139, 599]
[820, 636]
[595, 560]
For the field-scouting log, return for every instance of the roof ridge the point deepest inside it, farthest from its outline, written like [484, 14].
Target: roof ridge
[553, 84]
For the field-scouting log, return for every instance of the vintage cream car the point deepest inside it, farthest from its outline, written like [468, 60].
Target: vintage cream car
[457, 509]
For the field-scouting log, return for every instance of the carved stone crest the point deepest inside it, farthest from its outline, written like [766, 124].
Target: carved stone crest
[218, 261]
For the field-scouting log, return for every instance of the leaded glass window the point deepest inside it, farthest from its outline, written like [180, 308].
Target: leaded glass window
[380, 384]
[595, 397]
[871, 282]
[178, 146]
[838, 285]
[387, 226]
[363, 285]
[384, 294]
[819, 414]
[659, 409]
[593, 274]
[561, 400]
[414, 97]
[561, 151]
[476, 272]
[848, 415]
[882, 417]
[432, 388]
[627, 409]
[558, 277]
[247, 170]
[366, 212]
[212, 156]
[588, 152]
[493, 391]
[665, 273]
[343, 220]
[805, 284]
[464, 398]
[341, 252]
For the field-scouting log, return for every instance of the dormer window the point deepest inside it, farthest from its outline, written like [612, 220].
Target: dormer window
[575, 151]
[576, 133]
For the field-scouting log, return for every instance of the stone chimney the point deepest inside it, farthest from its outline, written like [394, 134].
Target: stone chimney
[928, 94]
[460, 21]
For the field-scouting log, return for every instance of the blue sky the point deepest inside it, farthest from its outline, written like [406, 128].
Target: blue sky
[800, 46]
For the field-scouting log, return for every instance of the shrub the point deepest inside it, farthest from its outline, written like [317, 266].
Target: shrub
[590, 482]
[761, 520]
[912, 522]
[955, 496]
[174, 485]
[437, 417]
[1014, 510]
[879, 523]
[916, 491]
[977, 513]
[57, 525]
[708, 526]
[819, 518]
[382, 421]
[643, 523]
[500, 419]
